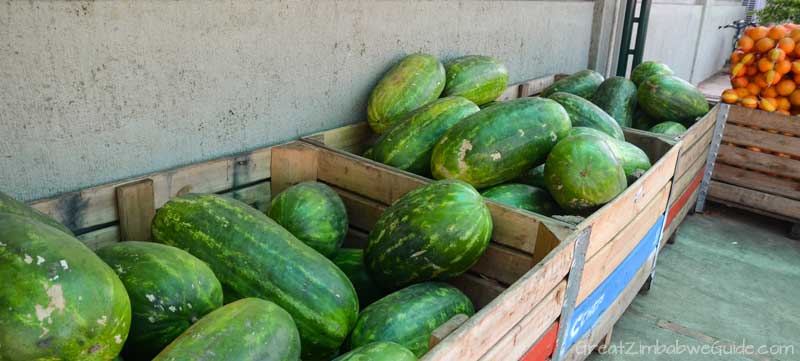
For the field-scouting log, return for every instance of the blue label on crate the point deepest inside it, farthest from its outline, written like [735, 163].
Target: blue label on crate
[589, 311]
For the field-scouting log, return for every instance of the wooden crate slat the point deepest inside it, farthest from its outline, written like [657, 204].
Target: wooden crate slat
[441, 332]
[256, 196]
[780, 143]
[689, 156]
[761, 119]
[544, 346]
[757, 181]
[748, 159]
[670, 229]
[511, 92]
[480, 290]
[100, 238]
[293, 163]
[535, 324]
[751, 199]
[355, 239]
[97, 205]
[535, 86]
[697, 130]
[136, 208]
[599, 266]
[471, 340]
[681, 183]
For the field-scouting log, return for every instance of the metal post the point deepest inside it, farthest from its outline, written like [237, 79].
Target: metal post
[716, 139]
[641, 33]
[573, 286]
[625, 40]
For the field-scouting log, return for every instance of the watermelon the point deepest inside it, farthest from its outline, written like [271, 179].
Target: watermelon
[500, 142]
[409, 316]
[486, 105]
[169, 290]
[583, 113]
[379, 351]
[247, 329]
[583, 84]
[523, 196]
[59, 300]
[351, 262]
[313, 213]
[408, 144]
[253, 256]
[13, 206]
[582, 173]
[368, 153]
[617, 97]
[668, 128]
[669, 98]
[647, 69]
[479, 78]
[433, 232]
[416, 80]
[533, 177]
[642, 120]
[632, 158]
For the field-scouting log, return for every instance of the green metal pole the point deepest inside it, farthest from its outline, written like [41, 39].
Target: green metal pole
[641, 33]
[625, 41]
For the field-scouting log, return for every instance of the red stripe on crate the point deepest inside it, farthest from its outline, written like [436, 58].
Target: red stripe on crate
[543, 349]
[676, 208]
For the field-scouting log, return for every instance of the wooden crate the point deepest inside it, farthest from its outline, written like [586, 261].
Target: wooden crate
[691, 161]
[758, 166]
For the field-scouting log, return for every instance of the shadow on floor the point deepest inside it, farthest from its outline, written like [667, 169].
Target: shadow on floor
[732, 278]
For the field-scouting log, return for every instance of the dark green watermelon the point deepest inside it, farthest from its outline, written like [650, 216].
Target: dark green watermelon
[433, 232]
[379, 351]
[368, 153]
[583, 84]
[59, 301]
[533, 177]
[583, 172]
[484, 106]
[313, 213]
[169, 290]
[668, 128]
[416, 80]
[669, 98]
[500, 142]
[13, 206]
[479, 78]
[523, 196]
[632, 158]
[351, 262]
[647, 69]
[253, 256]
[642, 120]
[408, 144]
[409, 316]
[583, 113]
[247, 329]
[617, 97]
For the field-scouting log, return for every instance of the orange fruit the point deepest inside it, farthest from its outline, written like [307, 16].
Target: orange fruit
[772, 77]
[751, 70]
[795, 35]
[742, 92]
[740, 82]
[750, 101]
[729, 96]
[760, 80]
[797, 51]
[736, 56]
[787, 45]
[757, 33]
[765, 65]
[784, 104]
[768, 104]
[776, 54]
[746, 43]
[748, 59]
[764, 45]
[796, 66]
[794, 98]
[770, 92]
[754, 89]
[797, 78]
[777, 32]
[786, 87]
[737, 70]
[783, 67]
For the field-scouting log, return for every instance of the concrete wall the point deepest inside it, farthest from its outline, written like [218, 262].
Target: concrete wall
[715, 44]
[92, 92]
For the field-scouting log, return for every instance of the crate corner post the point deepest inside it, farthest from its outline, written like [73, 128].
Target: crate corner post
[292, 163]
[136, 209]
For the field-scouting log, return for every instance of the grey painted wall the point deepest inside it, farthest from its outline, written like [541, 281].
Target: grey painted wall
[92, 92]
[715, 44]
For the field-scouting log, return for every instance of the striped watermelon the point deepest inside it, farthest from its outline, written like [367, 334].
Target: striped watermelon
[668, 128]
[633, 159]
[433, 232]
[169, 290]
[253, 256]
[583, 84]
[617, 97]
[583, 113]
[409, 316]
[313, 213]
[59, 301]
[248, 329]
[500, 142]
[379, 351]
[13, 206]
[647, 69]
[416, 80]
[351, 262]
[669, 98]
[408, 144]
[523, 196]
[479, 78]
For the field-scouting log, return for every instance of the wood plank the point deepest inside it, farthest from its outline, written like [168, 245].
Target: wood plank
[679, 218]
[754, 199]
[531, 328]
[441, 332]
[472, 340]
[362, 212]
[599, 266]
[762, 162]
[100, 238]
[355, 239]
[689, 155]
[136, 209]
[97, 205]
[779, 143]
[511, 92]
[544, 347]
[481, 291]
[605, 324]
[698, 129]
[535, 86]
[547, 240]
[683, 182]
[614, 216]
[654, 145]
[293, 163]
[761, 119]
[256, 196]
[757, 181]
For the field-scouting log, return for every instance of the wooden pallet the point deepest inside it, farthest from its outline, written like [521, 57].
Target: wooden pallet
[758, 167]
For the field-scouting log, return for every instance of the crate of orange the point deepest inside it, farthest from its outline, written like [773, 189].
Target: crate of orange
[758, 166]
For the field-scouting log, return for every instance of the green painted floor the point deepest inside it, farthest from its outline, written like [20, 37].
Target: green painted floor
[731, 278]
